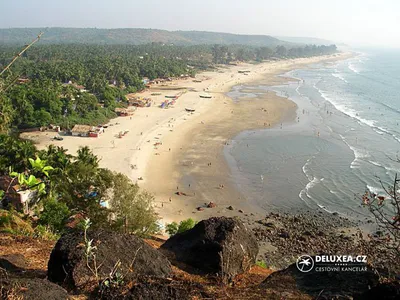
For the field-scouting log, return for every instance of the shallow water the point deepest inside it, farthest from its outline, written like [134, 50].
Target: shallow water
[339, 146]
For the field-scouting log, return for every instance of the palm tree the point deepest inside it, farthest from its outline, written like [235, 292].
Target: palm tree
[85, 155]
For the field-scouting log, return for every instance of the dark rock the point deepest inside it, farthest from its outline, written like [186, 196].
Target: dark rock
[32, 289]
[230, 207]
[322, 285]
[211, 205]
[16, 259]
[383, 291]
[68, 262]
[241, 211]
[157, 288]
[16, 266]
[218, 245]
[284, 234]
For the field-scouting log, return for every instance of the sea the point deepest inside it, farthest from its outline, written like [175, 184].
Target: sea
[344, 141]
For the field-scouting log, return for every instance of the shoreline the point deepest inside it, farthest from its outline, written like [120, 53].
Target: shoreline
[186, 170]
[171, 148]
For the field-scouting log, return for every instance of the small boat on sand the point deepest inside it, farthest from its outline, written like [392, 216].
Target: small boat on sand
[190, 109]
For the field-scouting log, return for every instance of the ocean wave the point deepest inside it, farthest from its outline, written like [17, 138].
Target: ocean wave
[306, 171]
[378, 131]
[348, 111]
[324, 208]
[310, 185]
[384, 130]
[304, 193]
[376, 190]
[393, 109]
[376, 163]
[359, 154]
[340, 77]
[345, 109]
[353, 68]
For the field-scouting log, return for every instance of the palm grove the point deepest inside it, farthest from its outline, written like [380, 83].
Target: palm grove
[67, 185]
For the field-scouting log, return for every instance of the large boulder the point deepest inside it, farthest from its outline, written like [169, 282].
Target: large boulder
[150, 288]
[127, 255]
[32, 289]
[219, 245]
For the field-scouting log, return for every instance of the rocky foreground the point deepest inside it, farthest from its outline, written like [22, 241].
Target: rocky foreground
[284, 237]
[214, 260]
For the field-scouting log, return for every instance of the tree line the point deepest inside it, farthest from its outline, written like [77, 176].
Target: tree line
[36, 91]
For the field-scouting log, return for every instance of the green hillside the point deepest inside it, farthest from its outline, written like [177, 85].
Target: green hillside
[132, 36]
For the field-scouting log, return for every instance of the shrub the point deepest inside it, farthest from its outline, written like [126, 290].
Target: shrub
[45, 233]
[54, 215]
[5, 219]
[132, 208]
[261, 263]
[12, 222]
[186, 225]
[173, 228]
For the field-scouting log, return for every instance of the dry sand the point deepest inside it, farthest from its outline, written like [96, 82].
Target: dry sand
[190, 141]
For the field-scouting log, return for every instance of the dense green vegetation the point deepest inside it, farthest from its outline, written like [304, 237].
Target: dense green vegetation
[100, 76]
[133, 36]
[75, 185]
[184, 225]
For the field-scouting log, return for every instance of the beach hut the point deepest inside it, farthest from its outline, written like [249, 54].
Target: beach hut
[81, 130]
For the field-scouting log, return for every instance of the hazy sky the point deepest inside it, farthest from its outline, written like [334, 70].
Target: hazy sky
[357, 22]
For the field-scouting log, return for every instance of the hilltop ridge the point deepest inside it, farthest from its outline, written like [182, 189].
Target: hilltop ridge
[133, 36]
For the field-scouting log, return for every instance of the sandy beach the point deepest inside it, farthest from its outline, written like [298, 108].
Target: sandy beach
[188, 157]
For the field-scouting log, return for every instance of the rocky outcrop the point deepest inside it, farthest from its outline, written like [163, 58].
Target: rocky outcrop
[126, 254]
[32, 289]
[383, 291]
[16, 266]
[150, 288]
[218, 245]
[322, 285]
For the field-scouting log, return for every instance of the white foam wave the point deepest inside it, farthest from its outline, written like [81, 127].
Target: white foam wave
[324, 208]
[359, 154]
[378, 131]
[375, 190]
[306, 171]
[375, 163]
[384, 130]
[346, 110]
[311, 184]
[305, 192]
[340, 77]
[353, 68]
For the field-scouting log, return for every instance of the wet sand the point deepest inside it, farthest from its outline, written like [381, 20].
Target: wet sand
[196, 165]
